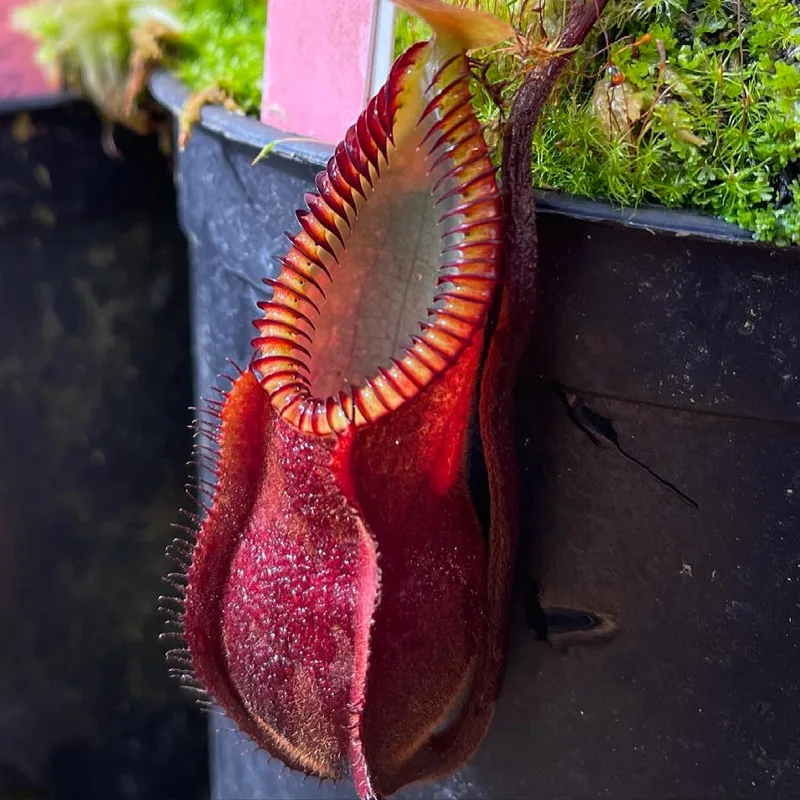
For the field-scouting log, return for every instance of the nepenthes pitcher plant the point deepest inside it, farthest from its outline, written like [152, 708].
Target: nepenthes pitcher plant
[342, 603]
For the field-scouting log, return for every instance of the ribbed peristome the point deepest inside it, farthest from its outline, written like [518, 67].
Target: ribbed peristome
[421, 158]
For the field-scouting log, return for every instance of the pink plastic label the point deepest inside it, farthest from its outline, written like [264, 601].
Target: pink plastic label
[19, 74]
[317, 69]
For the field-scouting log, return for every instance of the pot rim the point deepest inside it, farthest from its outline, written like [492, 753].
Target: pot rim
[172, 93]
[36, 102]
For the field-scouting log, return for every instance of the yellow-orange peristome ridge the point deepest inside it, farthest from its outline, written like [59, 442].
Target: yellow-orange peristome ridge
[461, 172]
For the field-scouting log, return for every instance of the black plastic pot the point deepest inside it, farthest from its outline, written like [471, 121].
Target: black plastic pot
[95, 383]
[679, 336]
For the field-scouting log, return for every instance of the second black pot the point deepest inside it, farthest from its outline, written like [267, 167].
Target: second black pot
[95, 382]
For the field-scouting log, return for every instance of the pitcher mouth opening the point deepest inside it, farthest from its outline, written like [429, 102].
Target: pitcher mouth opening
[395, 266]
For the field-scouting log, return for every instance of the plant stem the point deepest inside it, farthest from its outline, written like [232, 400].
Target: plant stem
[520, 257]
[514, 317]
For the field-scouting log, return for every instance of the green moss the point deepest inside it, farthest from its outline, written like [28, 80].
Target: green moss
[714, 127]
[89, 43]
[706, 115]
[224, 43]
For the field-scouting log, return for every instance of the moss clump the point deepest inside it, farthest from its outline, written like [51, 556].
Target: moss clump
[87, 45]
[223, 44]
[720, 125]
[685, 103]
